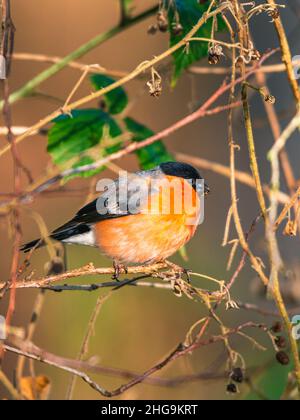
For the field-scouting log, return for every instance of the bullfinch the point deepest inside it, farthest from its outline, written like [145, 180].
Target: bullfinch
[139, 225]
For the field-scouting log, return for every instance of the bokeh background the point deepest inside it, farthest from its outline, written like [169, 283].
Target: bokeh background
[137, 326]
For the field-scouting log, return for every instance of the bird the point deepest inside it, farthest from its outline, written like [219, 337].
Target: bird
[149, 233]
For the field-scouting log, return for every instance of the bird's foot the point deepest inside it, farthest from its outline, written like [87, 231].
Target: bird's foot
[118, 268]
[179, 270]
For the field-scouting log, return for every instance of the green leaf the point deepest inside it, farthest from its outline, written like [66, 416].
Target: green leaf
[84, 160]
[116, 100]
[271, 383]
[70, 136]
[152, 155]
[189, 13]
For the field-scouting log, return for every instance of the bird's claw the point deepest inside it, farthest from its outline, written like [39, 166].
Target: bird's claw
[118, 268]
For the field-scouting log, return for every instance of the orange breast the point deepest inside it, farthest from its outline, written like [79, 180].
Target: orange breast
[154, 234]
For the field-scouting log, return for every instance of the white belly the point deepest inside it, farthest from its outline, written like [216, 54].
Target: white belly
[83, 239]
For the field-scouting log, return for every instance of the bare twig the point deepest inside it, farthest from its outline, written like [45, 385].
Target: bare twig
[88, 270]
[139, 70]
[84, 347]
[31, 351]
[286, 56]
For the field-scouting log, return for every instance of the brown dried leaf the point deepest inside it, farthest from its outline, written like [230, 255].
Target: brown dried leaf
[35, 388]
[290, 228]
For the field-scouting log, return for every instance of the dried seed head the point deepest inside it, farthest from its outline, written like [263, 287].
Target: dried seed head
[155, 84]
[280, 342]
[177, 29]
[155, 90]
[237, 375]
[231, 389]
[213, 59]
[255, 55]
[162, 21]
[152, 29]
[282, 358]
[277, 327]
[215, 52]
[274, 14]
[270, 98]
[290, 228]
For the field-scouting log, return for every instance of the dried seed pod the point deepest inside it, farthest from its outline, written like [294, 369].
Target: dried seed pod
[255, 55]
[155, 89]
[177, 29]
[280, 342]
[237, 375]
[277, 327]
[162, 21]
[152, 29]
[215, 52]
[213, 59]
[231, 389]
[282, 358]
[274, 14]
[290, 228]
[155, 84]
[270, 98]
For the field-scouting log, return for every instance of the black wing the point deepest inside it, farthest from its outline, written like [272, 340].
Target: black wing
[111, 204]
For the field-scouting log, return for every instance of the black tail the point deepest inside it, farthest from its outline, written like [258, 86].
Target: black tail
[33, 244]
[61, 234]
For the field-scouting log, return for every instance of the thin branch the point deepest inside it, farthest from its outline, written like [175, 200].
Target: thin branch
[276, 130]
[286, 56]
[43, 58]
[9, 386]
[203, 70]
[287, 208]
[74, 55]
[88, 270]
[85, 343]
[147, 65]
[274, 253]
[243, 177]
[285, 135]
[266, 69]
[74, 367]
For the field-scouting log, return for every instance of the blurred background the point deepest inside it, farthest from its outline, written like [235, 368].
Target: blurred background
[138, 326]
